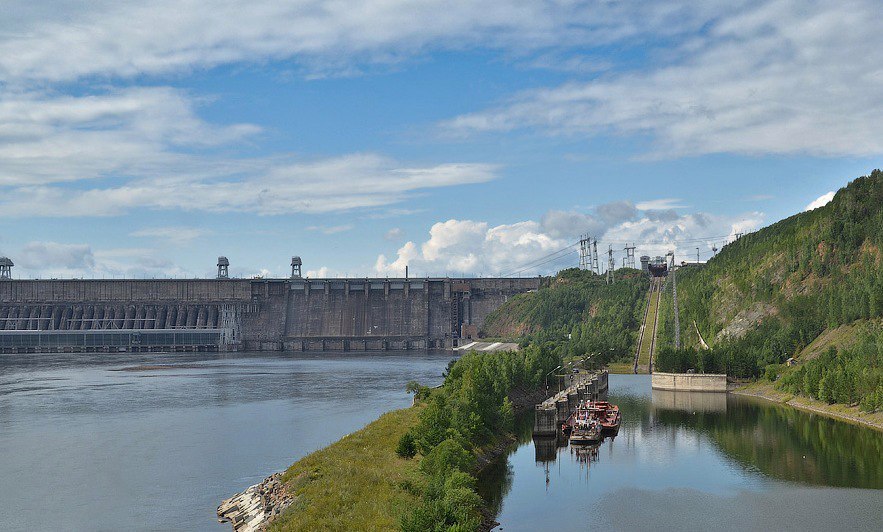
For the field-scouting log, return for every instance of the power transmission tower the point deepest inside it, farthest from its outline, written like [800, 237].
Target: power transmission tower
[697, 255]
[595, 267]
[585, 253]
[629, 259]
[611, 264]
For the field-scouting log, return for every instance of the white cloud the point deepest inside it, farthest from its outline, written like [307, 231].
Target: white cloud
[467, 247]
[330, 185]
[114, 38]
[46, 255]
[178, 236]
[330, 229]
[783, 77]
[322, 272]
[394, 234]
[821, 201]
[137, 132]
[659, 204]
[64, 260]
[569, 224]
[147, 147]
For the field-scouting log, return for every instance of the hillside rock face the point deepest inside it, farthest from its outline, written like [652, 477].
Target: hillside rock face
[745, 320]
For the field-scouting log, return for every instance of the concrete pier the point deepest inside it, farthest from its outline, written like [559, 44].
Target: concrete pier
[549, 414]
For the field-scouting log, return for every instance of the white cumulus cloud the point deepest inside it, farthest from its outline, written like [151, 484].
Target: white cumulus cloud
[821, 201]
[468, 247]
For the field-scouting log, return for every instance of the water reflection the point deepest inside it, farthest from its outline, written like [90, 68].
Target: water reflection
[676, 447]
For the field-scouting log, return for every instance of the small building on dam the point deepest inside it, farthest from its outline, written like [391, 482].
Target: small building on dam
[356, 314]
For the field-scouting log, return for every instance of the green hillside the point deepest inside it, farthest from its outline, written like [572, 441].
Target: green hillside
[577, 313]
[770, 294]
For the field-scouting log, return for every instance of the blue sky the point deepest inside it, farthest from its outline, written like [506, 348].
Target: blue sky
[147, 138]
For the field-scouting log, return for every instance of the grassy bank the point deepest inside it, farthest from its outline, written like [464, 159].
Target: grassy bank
[412, 469]
[850, 414]
[357, 483]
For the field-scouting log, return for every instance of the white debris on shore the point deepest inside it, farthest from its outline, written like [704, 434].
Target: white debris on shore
[254, 508]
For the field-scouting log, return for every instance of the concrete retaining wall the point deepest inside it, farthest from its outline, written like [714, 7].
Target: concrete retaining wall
[689, 382]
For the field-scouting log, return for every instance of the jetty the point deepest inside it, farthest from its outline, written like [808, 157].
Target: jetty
[555, 410]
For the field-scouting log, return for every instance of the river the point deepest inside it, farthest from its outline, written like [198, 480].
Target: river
[155, 442]
[694, 462]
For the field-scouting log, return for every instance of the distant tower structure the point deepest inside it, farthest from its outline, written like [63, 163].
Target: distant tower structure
[296, 263]
[6, 268]
[645, 263]
[223, 268]
[595, 266]
[629, 259]
[585, 252]
[611, 264]
[697, 255]
[714, 249]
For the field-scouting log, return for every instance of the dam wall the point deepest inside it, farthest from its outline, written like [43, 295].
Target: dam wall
[247, 314]
[689, 382]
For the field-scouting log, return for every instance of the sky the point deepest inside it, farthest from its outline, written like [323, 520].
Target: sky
[146, 138]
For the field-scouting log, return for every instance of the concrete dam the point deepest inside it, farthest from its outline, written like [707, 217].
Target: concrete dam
[363, 314]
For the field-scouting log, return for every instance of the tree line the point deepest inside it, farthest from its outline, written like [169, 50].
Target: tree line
[813, 271]
[470, 410]
[578, 314]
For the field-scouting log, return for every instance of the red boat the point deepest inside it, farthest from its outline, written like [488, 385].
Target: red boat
[606, 413]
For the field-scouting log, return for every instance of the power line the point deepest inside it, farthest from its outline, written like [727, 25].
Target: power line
[535, 266]
[540, 260]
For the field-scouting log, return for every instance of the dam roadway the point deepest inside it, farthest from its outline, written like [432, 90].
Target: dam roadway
[355, 314]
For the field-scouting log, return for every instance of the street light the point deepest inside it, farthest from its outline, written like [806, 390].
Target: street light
[547, 377]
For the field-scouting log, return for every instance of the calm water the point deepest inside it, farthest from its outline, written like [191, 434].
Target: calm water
[93, 442]
[695, 462]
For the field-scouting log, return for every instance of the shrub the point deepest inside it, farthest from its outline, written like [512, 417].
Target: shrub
[406, 447]
[447, 456]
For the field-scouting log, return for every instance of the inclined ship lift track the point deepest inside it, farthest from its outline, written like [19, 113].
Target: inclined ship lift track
[655, 291]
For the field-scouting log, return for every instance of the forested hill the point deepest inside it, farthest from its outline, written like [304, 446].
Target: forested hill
[768, 295]
[578, 312]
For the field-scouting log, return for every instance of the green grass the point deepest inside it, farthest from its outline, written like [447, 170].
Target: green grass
[649, 329]
[621, 368]
[357, 483]
[841, 337]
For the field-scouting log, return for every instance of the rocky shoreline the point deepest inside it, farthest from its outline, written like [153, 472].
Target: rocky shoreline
[253, 509]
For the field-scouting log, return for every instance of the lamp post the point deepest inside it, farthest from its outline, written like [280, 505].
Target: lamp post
[546, 378]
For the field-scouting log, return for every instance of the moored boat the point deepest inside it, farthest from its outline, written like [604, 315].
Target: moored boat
[584, 428]
[607, 415]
